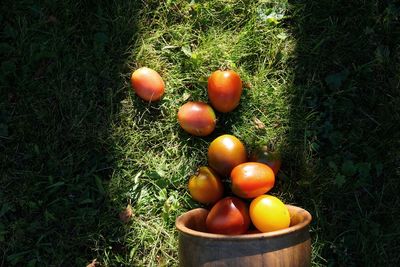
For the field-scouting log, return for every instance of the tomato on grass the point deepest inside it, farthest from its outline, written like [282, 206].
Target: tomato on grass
[197, 118]
[147, 84]
[224, 90]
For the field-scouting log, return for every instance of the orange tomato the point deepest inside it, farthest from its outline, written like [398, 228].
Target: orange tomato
[224, 90]
[197, 118]
[229, 216]
[252, 179]
[225, 153]
[147, 84]
[268, 213]
[205, 186]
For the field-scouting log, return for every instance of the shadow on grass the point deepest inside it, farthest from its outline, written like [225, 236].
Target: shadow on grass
[345, 128]
[61, 87]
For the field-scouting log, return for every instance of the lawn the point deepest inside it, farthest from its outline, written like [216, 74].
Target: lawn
[321, 85]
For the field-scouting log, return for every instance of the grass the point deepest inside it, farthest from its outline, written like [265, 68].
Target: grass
[77, 145]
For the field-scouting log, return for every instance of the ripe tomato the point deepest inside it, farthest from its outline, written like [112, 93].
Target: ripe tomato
[225, 153]
[224, 90]
[252, 179]
[147, 84]
[268, 213]
[271, 158]
[229, 216]
[197, 118]
[205, 186]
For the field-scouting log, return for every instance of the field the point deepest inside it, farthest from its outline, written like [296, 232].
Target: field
[321, 85]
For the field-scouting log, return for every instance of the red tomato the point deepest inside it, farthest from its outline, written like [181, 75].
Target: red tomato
[271, 158]
[229, 216]
[224, 90]
[147, 84]
[268, 213]
[226, 152]
[205, 186]
[197, 118]
[252, 179]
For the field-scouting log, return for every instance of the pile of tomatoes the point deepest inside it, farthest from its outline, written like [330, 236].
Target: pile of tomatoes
[249, 181]
[245, 204]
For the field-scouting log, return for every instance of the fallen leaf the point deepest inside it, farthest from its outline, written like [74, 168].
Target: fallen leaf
[126, 214]
[185, 96]
[259, 124]
[94, 263]
[247, 85]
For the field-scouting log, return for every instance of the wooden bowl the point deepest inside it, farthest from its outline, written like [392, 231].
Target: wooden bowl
[287, 247]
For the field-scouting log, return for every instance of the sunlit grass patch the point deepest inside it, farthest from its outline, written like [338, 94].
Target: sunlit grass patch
[185, 43]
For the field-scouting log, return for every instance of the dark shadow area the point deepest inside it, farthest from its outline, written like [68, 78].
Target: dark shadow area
[345, 128]
[61, 87]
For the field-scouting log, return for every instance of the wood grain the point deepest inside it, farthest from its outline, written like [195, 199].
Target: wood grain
[290, 247]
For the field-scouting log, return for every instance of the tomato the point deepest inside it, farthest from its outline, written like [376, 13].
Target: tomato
[225, 153]
[147, 84]
[268, 213]
[197, 118]
[205, 186]
[252, 179]
[224, 90]
[229, 216]
[271, 158]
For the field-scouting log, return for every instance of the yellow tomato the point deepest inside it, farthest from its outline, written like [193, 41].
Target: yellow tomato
[268, 213]
[205, 186]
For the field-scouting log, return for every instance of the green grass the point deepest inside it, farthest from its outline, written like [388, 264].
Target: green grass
[77, 145]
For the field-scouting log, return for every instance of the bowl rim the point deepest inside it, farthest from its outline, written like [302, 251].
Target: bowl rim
[180, 226]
